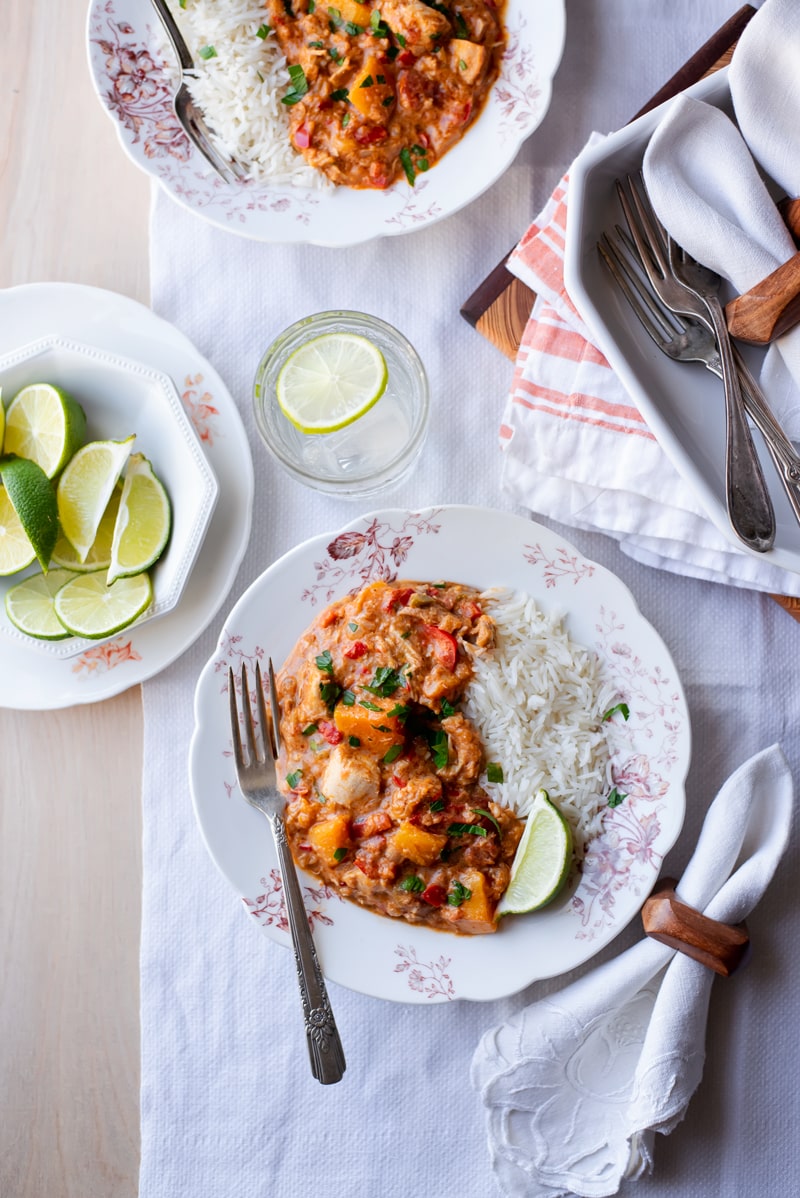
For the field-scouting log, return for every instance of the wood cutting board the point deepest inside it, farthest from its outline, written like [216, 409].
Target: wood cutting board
[500, 306]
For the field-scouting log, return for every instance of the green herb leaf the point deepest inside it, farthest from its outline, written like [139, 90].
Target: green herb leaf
[345, 120]
[309, 729]
[341, 93]
[392, 754]
[385, 682]
[401, 41]
[622, 708]
[369, 706]
[265, 30]
[447, 709]
[353, 626]
[392, 53]
[339, 854]
[207, 52]
[408, 165]
[348, 698]
[387, 103]
[329, 692]
[494, 771]
[293, 778]
[317, 45]
[367, 81]
[324, 661]
[466, 829]
[459, 894]
[335, 55]
[401, 711]
[439, 748]
[616, 797]
[412, 884]
[439, 805]
[488, 815]
[353, 741]
[299, 84]
[353, 29]
[462, 29]
[312, 5]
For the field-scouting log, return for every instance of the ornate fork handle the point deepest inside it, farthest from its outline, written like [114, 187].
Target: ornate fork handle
[324, 1046]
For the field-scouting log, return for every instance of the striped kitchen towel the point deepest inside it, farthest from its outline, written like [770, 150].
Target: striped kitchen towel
[577, 449]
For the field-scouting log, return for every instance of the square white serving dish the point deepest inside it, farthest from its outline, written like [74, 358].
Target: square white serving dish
[681, 402]
[121, 397]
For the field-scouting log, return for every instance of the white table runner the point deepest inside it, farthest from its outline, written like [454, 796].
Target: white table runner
[229, 1108]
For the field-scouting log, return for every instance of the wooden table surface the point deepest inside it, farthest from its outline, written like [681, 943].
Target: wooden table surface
[74, 209]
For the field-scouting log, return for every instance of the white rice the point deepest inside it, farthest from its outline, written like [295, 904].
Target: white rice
[240, 88]
[538, 700]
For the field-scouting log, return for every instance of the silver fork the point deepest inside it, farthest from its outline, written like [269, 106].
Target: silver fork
[749, 506]
[187, 111]
[686, 339]
[257, 782]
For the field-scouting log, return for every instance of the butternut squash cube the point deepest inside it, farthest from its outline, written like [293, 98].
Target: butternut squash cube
[417, 844]
[477, 912]
[375, 730]
[329, 835]
[371, 92]
[467, 59]
[351, 10]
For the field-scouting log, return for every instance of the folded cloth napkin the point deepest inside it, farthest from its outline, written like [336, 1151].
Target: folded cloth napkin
[576, 1085]
[577, 449]
[708, 193]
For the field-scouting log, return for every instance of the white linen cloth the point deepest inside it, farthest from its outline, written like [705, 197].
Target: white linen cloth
[577, 449]
[229, 1109]
[707, 192]
[577, 1084]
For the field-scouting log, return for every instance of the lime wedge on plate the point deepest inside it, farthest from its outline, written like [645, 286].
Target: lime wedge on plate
[85, 488]
[88, 607]
[16, 551]
[2, 419]
[44, 424]
[143, 522]
[99, 556]
[541, 863]
[30, 605]
[30, 493]
[330, 381]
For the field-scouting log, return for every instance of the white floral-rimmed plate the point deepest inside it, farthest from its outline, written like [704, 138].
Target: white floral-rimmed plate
[135, 82]
[388, 958]
[120, 326]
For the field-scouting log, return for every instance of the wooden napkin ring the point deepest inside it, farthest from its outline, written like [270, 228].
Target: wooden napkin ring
[772, 307]
[722, 947]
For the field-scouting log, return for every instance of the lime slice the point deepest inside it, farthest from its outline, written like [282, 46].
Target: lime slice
[32, 496]
[44, 424]
[331, 381]
[88, 607]
[85, 488]
[16, 551]
[99, 556]
[143, 523]
[2, 418]
[30, 606]
[541, 863]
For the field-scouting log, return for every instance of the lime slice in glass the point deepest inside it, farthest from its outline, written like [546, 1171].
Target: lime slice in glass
[542, 860]
[30, 605]
[143, 522]
[44, 424]
[85, 488]
[330, 381]
[88, 607]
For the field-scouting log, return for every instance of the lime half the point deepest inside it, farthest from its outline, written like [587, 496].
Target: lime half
[33, 499]
[542, 860]
[30, 605]
[85, 488]
[143, 521]
[88, 607]
[44, 424]
[330, 381]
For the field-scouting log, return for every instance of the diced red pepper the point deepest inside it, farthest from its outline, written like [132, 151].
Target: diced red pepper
[398, 781]
[397, 597]
[331, 733]
[371, 825]
[367, 864]
[356, 650]
[467, 112]
[434, 895]
[302, 137]
[406, 59]
[444, 645]
[368, 135]
[471, 610]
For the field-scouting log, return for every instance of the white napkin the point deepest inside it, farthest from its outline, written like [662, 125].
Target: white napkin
[577, 449]
[707, 191]
[577, 1084]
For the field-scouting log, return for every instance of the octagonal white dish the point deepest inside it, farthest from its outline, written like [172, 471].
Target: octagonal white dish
[120, 397]
[134, 77]
[389, 958]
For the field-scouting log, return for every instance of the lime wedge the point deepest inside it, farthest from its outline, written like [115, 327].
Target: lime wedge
[44, 424]
[542, 860]
[85, 488]
[87, 606]
[99, 556]
[32, 496]
[16, 551]
[143, 523]
[30, 606]
[2, 419]
[330, 381]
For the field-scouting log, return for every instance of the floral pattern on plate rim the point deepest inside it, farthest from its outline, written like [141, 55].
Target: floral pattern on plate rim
[139, 88]
[622, 856]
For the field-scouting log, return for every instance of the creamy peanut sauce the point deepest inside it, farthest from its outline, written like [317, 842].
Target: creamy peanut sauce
[380, 766]
[385, 88]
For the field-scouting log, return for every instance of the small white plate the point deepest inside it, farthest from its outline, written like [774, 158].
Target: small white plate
[681, 402]
[389, 958]
[119, 326]
[134, 80]
[121, 397]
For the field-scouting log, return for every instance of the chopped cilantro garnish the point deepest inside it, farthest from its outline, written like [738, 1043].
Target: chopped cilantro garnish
[341, 93]
[207, 52]
[439, 748]
[447, 708]
[459, 894]
[615, 797]
[353, 29]
[385, 682]
[293, 778]
[466, 829]
[264, 31]
[622, 708]
[348, 698]
[345, 120]
[494, 772]
[392, 53]
[401, 711]
[325, 662]
[329, 692]
[312, 4]
[392, 754]
[369, 706]
[412, 884]
[299, 84]
[382, 728]
[338, 854]
[367, 81]
[317, 45]
[353, 626]
[487, 815]
[439, 805]
[407, 165]
[462, 29]
[462, 66]
[386, 104]
[335, 55]
[353, 741]
[401, 41]
[309, 729]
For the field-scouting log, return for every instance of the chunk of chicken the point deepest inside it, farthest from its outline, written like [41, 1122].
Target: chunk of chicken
[350, 776]
[420, 26]
[467, 751]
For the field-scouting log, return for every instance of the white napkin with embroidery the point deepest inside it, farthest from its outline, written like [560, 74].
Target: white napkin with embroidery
[576, 1085]
[708, 193]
